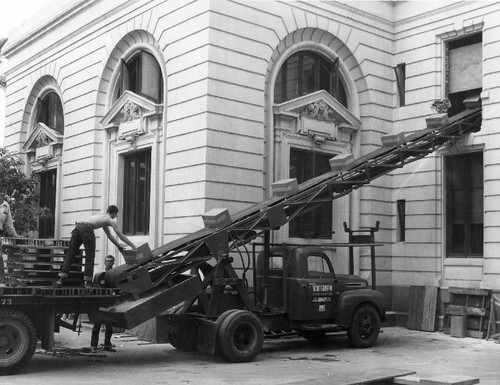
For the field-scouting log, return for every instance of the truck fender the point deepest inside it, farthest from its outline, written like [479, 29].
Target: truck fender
[349, 301]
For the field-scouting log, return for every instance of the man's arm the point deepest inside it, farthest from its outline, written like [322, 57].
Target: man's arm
[120, 235]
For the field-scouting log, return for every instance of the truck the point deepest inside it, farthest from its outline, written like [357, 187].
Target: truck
[191, 287]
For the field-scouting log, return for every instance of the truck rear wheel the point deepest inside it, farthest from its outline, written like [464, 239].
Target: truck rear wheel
[17, 340]
[365, 327]
[240, 336]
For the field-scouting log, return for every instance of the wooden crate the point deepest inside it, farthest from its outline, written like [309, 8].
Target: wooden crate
[37, 262]
[473, 304]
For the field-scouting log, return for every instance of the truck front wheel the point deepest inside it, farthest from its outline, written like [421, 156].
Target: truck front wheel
[240, 336]
[365, 327]
[17, 340]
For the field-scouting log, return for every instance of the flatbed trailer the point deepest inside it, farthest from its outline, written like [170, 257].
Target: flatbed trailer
[29, 314]
[210, 305]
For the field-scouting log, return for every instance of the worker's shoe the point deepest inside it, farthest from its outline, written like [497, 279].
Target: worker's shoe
[93, 349]
[59, 283]
[109, 349]
[89, 285]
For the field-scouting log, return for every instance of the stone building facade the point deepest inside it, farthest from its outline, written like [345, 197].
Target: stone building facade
[172, 108]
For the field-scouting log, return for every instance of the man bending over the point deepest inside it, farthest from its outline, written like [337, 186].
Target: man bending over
[83, 233]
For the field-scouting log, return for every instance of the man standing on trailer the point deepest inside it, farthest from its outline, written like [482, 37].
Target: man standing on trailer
[83, 233]
[6, 226]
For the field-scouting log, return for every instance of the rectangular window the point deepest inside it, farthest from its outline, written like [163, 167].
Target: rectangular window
[315, 223]
[47, 199]
[463, 61]
[464, 209]
[136, 193]
[401, 225]
[400, 70]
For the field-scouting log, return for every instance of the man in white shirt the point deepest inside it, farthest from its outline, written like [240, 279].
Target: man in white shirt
[6, 226]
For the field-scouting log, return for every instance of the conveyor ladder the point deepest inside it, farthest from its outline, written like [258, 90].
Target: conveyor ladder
[192, 250]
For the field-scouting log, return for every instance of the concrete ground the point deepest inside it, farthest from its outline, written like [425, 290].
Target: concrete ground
[280, 362]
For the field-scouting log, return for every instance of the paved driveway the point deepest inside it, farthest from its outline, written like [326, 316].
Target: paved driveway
[281, 361]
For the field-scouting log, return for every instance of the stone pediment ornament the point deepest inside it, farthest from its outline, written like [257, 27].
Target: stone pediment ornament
[319, 110]
[130, 106]
[42, 136]
[42, 141]
[129, 116]
[319, 105]
[319, 116]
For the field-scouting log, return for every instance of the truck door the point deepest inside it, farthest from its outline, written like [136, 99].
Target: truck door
[314, 292]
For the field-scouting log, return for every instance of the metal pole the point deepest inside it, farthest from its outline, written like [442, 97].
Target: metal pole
[267, 251]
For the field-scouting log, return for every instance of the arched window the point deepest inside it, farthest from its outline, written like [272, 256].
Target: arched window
[50, 112]
[141, 74]
[306, 72]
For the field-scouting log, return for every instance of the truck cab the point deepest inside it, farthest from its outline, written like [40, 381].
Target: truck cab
[301, 284]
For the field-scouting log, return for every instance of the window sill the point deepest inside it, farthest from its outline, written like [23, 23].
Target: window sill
[478, 261]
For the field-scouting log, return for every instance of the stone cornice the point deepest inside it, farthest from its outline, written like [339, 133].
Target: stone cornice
[18, 42]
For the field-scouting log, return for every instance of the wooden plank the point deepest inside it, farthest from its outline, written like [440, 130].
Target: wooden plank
[371, 376]
[450, 379]
[468, 291]
[479, 334]
[465, 310]
[430, 308]
[422, 308]
[415, 306]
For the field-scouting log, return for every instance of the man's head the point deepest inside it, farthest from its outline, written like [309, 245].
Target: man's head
[112, 211]
[109, 262]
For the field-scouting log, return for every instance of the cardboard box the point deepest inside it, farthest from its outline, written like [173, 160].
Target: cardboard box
[142, 254]
[285, 187]
[437, 120]
[341, 161]
[216, 218]
[393, 140]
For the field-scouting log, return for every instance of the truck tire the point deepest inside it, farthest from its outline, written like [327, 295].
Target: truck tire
[240, 336]
[365, 327]
[17, 340]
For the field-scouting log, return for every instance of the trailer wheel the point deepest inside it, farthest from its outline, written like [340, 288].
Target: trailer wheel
[365, 327]
[240, 336]
[17, 340]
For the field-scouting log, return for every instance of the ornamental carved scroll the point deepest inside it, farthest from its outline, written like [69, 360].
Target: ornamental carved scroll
[319, 110]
